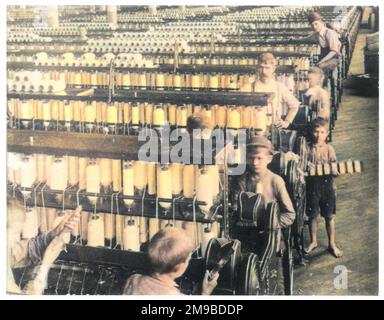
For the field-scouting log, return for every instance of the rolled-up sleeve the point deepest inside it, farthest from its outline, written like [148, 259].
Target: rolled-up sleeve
[291, 102]
[287, 213]
[333, 40]
[29, 251]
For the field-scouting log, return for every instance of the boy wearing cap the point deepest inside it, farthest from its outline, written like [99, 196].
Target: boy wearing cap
[328, 40]
[316, 93]
[284, 103]
[259, 179]
[321, 197]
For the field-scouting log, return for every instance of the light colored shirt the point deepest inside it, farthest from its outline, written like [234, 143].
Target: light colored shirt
[24, 253]
[273, 189]
[318, 94]
[327, 38]
[284, 102]
[29, 251]
[321, 154]
[139, 284]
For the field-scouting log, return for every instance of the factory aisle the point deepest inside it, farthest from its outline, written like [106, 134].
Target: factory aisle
[356, 137]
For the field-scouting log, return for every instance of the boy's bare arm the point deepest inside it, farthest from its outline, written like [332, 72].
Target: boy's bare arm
[287, 212]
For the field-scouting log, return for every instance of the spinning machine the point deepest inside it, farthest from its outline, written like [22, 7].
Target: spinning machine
[81, 94]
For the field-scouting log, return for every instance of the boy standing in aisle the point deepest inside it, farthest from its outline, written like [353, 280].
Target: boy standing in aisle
[321, 196]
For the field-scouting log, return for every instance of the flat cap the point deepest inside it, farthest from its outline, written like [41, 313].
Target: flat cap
[260, 141]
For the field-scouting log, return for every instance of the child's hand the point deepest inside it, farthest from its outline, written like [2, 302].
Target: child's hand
[69, 222]
[292, 156]
[209, 285]
[334, 169]
[311, 166]
[252, 79]
[282, 124]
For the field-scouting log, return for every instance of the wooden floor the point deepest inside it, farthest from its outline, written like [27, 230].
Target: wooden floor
[356, 137]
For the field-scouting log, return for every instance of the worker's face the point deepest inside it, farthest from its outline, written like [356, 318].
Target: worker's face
[314, 79]
[317, 25]
[267, 70]
[258, 160]
[320, 134]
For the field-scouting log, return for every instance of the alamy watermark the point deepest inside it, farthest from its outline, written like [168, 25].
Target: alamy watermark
[200, 147]
[340, 282]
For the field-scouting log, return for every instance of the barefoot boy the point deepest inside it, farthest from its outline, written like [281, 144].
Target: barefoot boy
[321, 197]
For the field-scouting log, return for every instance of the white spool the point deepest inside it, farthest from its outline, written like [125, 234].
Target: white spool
[28, 173]
[83, 162]
[357, 166]
[59, 174]
[131, 235]
[204, 190]
[68, 58]
[26, 112]
[159, 117]
[105, 172]
[151, 178]
[73, 171]
[108, 57]
[56, 86]
[164, 185]
[120, 219]
[90, 114]
[128, 182]
[93, 180]
[88, 58]
[234, 119]
[96, 231]
[68, 112]
[109, 226]
[140, 175]
[41, 58]
[116, 175]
